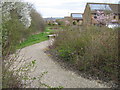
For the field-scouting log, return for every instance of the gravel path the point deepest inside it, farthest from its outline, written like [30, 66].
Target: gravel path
[56, 75]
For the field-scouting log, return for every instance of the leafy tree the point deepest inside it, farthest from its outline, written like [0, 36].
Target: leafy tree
[22, 9]
[16, 26]
[12, 33]
[37, 23]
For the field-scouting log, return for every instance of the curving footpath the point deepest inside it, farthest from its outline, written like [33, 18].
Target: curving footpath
[56, 75]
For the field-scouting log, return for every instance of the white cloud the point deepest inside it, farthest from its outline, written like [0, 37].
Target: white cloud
[52, 12]
[61, 8]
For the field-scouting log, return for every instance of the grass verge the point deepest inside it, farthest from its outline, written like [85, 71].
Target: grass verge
[33, 39]
[37, 38]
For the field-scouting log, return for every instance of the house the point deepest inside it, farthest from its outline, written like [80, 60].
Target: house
[101, 13]
[77, 18]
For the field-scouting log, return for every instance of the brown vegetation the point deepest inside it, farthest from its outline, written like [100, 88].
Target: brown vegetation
[93, 50]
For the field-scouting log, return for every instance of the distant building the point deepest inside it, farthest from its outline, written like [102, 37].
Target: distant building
[77, 18]
[52, 20]
[66, 17]
[101, 13]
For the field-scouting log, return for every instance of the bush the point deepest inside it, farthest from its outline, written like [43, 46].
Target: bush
[74, 23]
[37, 23]
[13, 33]
[93, 49]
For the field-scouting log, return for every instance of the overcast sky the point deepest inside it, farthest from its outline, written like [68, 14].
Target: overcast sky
[61, 8]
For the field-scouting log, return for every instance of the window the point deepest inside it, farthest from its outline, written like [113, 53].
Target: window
[114, 17]
[94, 13]
[95, 17]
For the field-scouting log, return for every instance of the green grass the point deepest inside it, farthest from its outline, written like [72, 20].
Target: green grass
[33, 40]
[37, 38]
[48, 29]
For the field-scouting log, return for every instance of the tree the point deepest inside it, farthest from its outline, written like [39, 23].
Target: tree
[15, 22]
[23, 9]
[102, 18]
[19, 20]
[37, 22]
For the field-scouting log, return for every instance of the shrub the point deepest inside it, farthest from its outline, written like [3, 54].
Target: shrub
[93, 49]
[37, 23]
[12, 32]
[74, 23]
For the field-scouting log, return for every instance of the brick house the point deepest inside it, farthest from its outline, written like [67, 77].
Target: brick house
[109, 13]
[77, 18]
